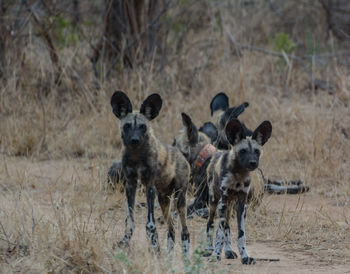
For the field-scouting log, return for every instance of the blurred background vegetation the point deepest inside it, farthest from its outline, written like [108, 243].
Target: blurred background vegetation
[58, 54]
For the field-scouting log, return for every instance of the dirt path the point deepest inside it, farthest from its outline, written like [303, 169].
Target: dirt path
[64, 178]
[289, 262]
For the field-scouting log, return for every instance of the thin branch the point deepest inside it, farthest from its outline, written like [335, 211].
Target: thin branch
[4, 232]
[138, 37]
[268, 52]
[47, 39]
[316, 82]
[327, 55]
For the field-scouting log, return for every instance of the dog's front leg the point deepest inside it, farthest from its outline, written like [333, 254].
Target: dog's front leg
[220, 235]
[180, 198]
[213, 204]
[151, 229]
[130, 190]
[241, 243]
[164, 202]
[229, 253]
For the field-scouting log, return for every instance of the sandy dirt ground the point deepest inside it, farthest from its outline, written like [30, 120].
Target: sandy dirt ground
[36, 178]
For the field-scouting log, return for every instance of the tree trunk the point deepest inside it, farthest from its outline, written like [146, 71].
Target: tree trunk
[3, 36]
[131, 33]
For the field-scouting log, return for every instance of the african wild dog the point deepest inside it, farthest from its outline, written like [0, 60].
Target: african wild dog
[191, 142]
[161, 168]
[192, 138]
[221, 113]
[229, 182]
[196, 146]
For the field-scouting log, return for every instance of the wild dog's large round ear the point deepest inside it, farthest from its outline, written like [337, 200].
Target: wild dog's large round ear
[232, 113]
[234, 131]
[219, 102]
[236, 111]
[151, 106]
[121, 104]
[262, 133]
[191, 129]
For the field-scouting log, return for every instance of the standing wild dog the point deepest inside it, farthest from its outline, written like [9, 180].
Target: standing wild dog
[196, 146]
[229, 183]
[161, 168]
[190, 143]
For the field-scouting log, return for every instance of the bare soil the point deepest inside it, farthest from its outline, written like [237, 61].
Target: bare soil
[72, 185]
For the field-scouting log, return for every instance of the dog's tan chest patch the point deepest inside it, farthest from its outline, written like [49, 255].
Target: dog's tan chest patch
[235, 183]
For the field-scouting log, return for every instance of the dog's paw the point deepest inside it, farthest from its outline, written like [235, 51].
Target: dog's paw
[248, 260]
[230, 254]
[124, 243]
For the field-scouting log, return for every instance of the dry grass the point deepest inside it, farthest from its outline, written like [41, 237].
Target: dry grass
[57, 142]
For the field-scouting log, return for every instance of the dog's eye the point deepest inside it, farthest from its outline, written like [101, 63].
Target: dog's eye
[142, 127]
[243, 151]
[257, 152]
[127, 126]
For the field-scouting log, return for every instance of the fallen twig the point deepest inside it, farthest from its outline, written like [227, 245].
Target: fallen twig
[266, 260]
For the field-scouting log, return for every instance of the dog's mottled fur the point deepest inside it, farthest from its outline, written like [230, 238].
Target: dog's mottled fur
[161, 168]
[190, 139]
[228, 176]
[190, 142]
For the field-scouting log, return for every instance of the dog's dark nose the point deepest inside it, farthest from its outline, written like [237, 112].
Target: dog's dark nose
[135, 141]
[253, 164]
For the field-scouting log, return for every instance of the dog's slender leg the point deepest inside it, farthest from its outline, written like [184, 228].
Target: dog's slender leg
[130, 190]
[220, 235]
[229, 253]
[151, 229]
[181, 209]
[164, 201]
[241, 243]
[213, 203]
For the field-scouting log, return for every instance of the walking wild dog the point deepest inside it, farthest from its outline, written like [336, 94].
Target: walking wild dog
[229, 183]
[161, 168]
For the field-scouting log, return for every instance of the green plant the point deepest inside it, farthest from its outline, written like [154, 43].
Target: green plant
[65, 31]
[283, 43]
[124, 260]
